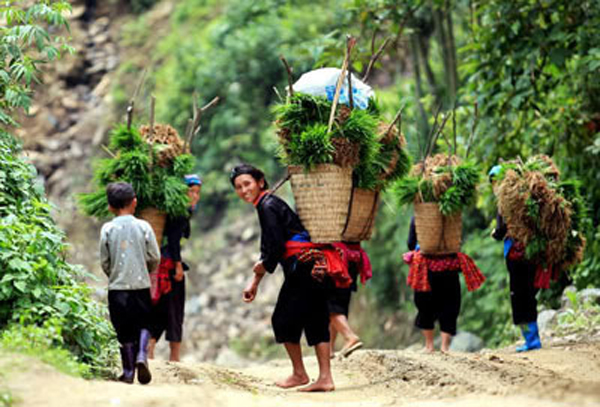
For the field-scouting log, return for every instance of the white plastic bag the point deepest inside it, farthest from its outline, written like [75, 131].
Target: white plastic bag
[322, 82]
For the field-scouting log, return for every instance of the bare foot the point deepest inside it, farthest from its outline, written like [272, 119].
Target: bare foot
[293, 381]
[321, 385]
[428, 350]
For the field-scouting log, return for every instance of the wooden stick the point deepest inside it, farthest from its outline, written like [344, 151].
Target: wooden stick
[152, 107]
[131, 105]
[289, 75]
[431, 133]
[473, 128]
[113, 155]
[194, 122]
[374, 59]
[350, 42]
[338, 86]
[280, 183]
[277, 93]
[454, 127]
[441, 128]
[398, 117]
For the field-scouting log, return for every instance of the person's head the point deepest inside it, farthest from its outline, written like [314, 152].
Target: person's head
[493, 174]
[248, 182]
[121, 198]
[194, 183]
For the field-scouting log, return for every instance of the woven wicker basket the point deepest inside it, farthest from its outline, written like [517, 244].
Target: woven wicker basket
[322, 198]
[437, 234]
[156, 219]
[361, 219]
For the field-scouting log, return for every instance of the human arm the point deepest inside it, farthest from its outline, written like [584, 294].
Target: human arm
[174, 232]
[104, 252]
[501, 229]
[152, 249]
[273, 235]
[251, 289]
[412, 235]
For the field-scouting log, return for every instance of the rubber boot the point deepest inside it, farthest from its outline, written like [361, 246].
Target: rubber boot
[128, 361]
[141, 362]
[531, 334]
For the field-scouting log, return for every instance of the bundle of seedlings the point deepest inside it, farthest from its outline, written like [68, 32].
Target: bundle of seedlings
[440, 188]
[154, 163]
[545, 214]
[359, 140]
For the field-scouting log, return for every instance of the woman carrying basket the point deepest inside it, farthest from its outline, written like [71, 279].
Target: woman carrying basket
[522, 278]
[436, 285]
[302, 302]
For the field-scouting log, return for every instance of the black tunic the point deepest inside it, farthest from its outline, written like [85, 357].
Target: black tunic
[278, 223]
[302, 302]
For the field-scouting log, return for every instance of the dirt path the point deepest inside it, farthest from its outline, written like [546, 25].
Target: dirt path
[559, 376]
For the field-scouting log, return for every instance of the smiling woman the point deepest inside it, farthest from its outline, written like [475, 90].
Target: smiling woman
[302, 302]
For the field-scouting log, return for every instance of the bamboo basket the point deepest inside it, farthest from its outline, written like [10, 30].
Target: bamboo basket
[322, 198]
[157, 219]
[361, 217]
[436, 233]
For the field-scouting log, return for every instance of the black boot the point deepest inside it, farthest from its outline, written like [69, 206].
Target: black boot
[128, 361]
[141, 361]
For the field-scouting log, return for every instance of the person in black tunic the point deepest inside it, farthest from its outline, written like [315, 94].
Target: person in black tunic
[302, 302]
[442, 303]
[167, 314]
[521, 277]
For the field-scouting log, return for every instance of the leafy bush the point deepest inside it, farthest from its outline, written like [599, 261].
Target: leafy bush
[135, 162]
[37, 284]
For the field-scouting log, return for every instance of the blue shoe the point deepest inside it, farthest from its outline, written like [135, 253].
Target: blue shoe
[531, 334]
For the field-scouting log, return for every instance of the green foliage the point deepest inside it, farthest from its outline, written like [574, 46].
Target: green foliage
[25, 43]
[133, 162]
[580, 317]
[302, 111]
[139, 6]
[37, 284]
[44, 342]
[461, 193]
[312, 146]
[465, 178]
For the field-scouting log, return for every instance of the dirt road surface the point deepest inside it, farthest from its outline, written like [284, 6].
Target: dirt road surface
[562, 375]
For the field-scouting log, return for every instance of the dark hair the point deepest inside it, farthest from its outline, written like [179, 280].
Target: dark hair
[119, 194]
[242, 169]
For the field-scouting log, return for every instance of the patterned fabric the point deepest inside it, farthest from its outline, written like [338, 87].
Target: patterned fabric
[160, 281]
[356, 254]
[516, 252]
[420, 265]
[328, 260]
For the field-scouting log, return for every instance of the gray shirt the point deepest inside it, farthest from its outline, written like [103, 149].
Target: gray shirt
[128, 253]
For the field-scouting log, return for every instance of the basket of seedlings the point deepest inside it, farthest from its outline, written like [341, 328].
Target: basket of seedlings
[340, 155]
[153, 159]
[547, 215]
[439, 187]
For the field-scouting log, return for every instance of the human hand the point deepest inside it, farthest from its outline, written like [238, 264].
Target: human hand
[259, 268]
[178, 271]
[250, 291]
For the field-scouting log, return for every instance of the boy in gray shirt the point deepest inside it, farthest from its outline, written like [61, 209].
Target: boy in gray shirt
[128, 253]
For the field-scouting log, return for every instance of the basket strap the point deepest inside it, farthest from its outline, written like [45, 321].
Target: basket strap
[371, 220]
[349, 211]
[443, 235]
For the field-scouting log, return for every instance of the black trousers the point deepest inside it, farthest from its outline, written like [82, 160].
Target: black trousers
[339, 298]
[129, 313]
[167, 315]
[301, 306]
[522, 291]
[441, 304]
